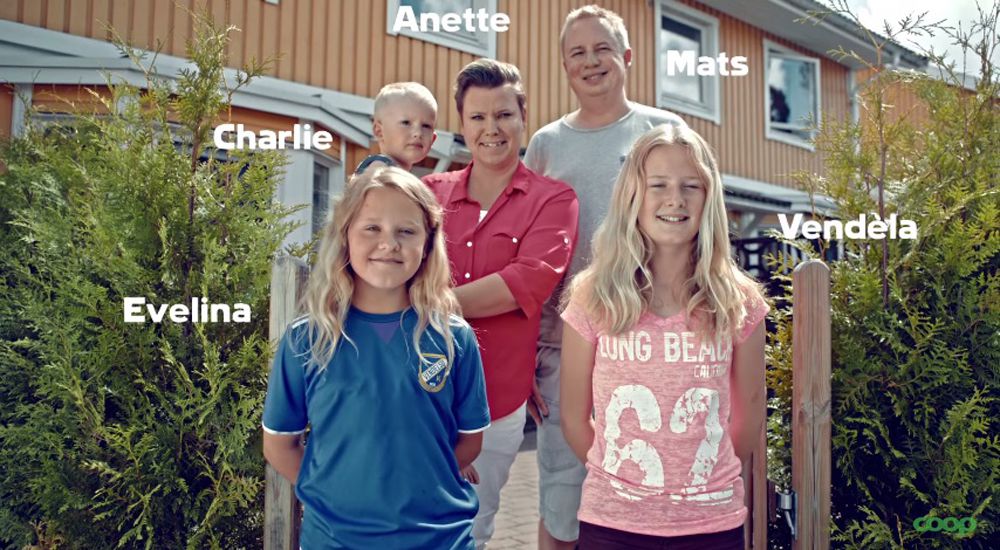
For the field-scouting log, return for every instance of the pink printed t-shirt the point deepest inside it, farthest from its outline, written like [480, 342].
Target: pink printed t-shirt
[662, 462]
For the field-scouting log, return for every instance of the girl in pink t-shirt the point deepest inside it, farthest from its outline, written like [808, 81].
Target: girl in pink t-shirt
[662, 387]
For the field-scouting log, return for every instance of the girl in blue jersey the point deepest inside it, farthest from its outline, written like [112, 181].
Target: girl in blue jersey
[387, 377]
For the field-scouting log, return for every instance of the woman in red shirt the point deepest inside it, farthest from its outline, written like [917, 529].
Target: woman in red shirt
[510, 235]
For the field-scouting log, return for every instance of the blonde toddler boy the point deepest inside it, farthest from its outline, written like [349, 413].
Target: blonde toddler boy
[403, 124]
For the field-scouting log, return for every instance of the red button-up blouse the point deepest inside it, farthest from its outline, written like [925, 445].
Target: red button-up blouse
[527, 238]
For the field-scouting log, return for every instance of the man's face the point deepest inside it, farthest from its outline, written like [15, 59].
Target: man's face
[592, 58]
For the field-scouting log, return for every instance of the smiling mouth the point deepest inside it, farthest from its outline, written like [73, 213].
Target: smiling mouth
[595, 77]
[673, 219]
[493, 145]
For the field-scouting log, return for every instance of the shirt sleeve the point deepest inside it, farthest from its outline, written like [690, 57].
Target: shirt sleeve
[285, 403]
[757, 309]
[576, 317]
[472, 413]
[544, 254]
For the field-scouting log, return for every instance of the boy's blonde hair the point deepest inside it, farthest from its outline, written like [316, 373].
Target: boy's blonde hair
[614, 20]
[398, 90]
[331, 284]
[616, 288]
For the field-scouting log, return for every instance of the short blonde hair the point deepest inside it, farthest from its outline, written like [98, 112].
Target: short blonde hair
[616, 22]
[399, 90]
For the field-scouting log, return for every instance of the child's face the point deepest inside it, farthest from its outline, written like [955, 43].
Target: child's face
[405, 130]
[385, 245]
[674, 197]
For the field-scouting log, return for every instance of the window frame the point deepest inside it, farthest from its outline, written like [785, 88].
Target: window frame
[788, 53]
[487, 48]
[711, 108]
[335, 174]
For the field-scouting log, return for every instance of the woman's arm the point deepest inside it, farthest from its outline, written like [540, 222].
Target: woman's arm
[485, 297]
[467, 448]
[284, 453]
[543, 255]
[748, 394]
[575, 391]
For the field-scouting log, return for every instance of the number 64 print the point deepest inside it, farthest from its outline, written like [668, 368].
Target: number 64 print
[695, 403]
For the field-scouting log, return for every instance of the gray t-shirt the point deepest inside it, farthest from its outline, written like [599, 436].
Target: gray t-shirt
[589, 161]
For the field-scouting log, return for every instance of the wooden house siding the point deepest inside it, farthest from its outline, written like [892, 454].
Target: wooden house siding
[900, 100]
[337, 44]
[6, 109]
[343, 45]
[61, 98]
[740, 141]
[68, 98]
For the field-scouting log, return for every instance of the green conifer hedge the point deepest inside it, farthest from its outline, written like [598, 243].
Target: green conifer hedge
[123, 435]
[916, 341]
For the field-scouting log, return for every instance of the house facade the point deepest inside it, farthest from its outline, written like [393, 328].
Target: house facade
[330, 57]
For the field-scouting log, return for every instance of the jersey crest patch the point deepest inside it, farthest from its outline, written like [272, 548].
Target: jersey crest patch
[433, 371]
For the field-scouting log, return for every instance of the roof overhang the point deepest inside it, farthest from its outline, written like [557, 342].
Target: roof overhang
[766, 198]
[789, 19]
[32, 55]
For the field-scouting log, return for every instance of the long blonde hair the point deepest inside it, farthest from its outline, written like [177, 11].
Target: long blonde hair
[617, 286]
[331, 284]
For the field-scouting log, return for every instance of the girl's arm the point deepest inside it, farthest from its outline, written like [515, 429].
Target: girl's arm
[284, 453]
[748, 394]
[467, 448]
[575, 391]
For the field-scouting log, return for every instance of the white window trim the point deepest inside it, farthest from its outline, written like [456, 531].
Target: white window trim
[788, 52]
[442, 38]
[709, 26]
[22, 100]
[335, 184]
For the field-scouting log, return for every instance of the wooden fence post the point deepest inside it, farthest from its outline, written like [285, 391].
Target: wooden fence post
[755, 488]
[811, 404]
[281, 508]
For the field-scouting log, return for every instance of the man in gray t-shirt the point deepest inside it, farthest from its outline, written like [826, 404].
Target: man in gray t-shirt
[589, 159]
[585, 149]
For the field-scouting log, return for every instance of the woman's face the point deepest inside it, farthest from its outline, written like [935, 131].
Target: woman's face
[492, 124]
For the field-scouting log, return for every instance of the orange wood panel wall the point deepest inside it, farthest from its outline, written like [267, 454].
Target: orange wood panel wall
[336, 44]
[6, 109]
[343, 45]
[900, 100]
[69, 98]
[740, 141]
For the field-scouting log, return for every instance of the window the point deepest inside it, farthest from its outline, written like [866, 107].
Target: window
[791, 95]
[321, 196]
[479, 43]
[685, 35]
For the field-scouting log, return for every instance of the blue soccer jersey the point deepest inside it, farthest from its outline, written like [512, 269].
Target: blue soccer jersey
[379, 469]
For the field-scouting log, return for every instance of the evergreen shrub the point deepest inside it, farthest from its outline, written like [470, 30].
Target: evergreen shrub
[916, 341]
[123, 435]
